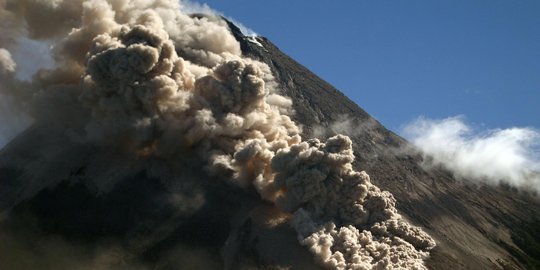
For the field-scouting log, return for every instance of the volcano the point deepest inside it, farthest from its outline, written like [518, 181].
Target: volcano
[129, 202]
[475, 226]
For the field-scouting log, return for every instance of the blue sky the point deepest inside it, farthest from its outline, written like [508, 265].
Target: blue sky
[403, 59]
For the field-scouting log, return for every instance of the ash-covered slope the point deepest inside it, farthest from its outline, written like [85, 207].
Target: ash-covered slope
[475, 226]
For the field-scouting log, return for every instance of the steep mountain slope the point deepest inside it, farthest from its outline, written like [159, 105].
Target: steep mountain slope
[476, 226]
[68, 202]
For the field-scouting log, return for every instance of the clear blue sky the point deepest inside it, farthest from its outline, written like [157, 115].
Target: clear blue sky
[402, 59]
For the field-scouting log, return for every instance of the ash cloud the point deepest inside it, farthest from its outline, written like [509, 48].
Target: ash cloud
[145, 78]
[344, 220]
[493, 156]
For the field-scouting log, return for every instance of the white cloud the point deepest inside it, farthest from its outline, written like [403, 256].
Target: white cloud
[494, 156]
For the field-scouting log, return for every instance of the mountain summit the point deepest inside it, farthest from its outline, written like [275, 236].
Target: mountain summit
[163, 140]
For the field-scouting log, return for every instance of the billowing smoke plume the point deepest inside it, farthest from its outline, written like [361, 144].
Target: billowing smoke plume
[146, 78]
[496, 156]
[346, 221]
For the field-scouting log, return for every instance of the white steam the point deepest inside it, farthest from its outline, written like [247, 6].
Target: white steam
[495, 156]
[344, 124]
[203, 8]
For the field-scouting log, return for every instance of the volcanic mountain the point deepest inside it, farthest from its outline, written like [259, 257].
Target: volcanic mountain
[72, 203]
[475, 226]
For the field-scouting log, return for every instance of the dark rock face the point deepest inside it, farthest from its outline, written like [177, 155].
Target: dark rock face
[203, 223]
[475, 226]
[86, 203]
